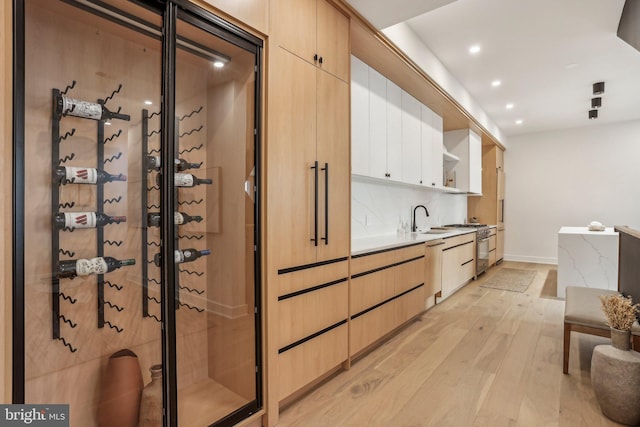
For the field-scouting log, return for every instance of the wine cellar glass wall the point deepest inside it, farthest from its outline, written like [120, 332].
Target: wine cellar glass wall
[93, 270]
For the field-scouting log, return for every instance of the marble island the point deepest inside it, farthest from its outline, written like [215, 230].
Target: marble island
[587, 258]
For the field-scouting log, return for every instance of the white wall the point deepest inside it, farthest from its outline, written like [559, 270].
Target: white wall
[377, 206]
[569, 177]
[404, 37]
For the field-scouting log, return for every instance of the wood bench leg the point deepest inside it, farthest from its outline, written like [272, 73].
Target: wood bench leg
[567, 345]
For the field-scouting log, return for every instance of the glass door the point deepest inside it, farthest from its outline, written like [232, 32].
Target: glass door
[216, 82]
[91, 70]
[137, 292]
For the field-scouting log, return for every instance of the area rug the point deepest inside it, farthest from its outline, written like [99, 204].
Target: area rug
[510, 279]
[550, 287]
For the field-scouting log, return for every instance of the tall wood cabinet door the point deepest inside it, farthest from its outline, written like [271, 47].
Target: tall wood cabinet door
[333, 151]
[433, 276]
[378, 124]
[333, 40]
[394, 131]
[291, 154]
[500, 244]
[296, 26]
[360, 146]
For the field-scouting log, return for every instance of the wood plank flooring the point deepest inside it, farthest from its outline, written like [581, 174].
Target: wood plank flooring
[483, 357]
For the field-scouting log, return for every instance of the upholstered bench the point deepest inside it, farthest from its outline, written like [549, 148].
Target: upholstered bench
[583, 313]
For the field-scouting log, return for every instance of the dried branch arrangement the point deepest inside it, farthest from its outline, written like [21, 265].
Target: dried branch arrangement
[620, 311]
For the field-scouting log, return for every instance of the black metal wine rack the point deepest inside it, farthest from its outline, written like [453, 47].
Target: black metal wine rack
[57, 205]
[146, 188]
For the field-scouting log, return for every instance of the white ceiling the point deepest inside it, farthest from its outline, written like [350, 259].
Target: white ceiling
[547, 54]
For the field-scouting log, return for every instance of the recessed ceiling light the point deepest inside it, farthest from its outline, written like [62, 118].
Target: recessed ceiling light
[509, 106]
[593, 114]
[218, 64]
[519, 121]
[147, 102]
[496, 83]
[474, 49]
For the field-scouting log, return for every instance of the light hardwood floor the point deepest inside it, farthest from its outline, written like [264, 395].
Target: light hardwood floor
[483, 357]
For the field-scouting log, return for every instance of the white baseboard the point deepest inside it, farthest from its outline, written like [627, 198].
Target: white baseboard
[531, 259]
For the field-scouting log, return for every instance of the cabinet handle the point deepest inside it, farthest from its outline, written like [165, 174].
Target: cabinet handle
[437, 244]
[315, 201]
[320, 60]
[502, 210]
[315, 58]
[326, 200]
[465, 263]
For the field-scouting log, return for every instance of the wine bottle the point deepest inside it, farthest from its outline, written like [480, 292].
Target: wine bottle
[189, 180]
[179, 218]
[186, 180]
[85, 219]
[184, 255]
[88, 110]
[86, 175]
[153, 163]
[85, 267]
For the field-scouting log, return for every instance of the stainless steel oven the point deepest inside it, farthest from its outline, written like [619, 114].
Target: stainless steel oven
[482, 250]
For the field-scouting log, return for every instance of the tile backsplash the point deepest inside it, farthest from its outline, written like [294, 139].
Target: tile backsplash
[378, 207]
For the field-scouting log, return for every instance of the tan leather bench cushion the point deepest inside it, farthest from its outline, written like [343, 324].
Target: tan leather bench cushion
[583, 307]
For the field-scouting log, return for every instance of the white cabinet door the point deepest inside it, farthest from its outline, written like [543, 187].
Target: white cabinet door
[394, 131]
[475, 163]
[377, 124]
[426, 136]
[437, 150]
[411, 153]
[360, 147]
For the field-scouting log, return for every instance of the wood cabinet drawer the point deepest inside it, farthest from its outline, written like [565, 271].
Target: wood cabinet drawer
[410, 274]
[308, 313]
[409, 252]
[295, 280]
[492, 242]
[362, 264]
[304, 363]
[459, 240]
[372, 325]
[371, 289]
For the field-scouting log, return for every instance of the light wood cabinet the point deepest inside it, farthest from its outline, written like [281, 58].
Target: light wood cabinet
[492, 247]
[315, 31]
[387, 288]
[500, 244]
[489, 208]
[308, 162]
[312, 328]
[467, 146]
[458, 262]
[433, 263]
[308, 197]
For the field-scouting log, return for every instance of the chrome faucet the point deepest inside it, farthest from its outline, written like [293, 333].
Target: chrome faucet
[414, 226]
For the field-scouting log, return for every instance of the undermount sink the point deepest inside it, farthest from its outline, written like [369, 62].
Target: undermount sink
[436, 231]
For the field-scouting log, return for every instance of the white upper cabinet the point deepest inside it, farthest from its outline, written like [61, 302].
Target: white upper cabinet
[394, 131]
[378, 124]
[360, 148]
[467, 171]
[393, 135]
[411, 128]
[437, 151]
[431, 146]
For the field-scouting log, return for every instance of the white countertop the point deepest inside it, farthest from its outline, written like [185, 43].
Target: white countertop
[608, 231]
[388, 241]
